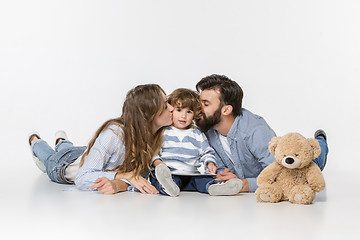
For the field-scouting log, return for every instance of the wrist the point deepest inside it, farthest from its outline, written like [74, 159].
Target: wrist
[245, 187]
[157, 162]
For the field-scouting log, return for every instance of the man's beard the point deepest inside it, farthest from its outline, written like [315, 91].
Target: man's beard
[207, 122]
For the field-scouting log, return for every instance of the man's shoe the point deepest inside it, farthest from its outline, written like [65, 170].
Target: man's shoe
[320, 133]
[230, 187]
[163, 175]
[36, 160]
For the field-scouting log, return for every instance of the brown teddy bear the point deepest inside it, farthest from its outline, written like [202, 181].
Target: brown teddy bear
[293, 176]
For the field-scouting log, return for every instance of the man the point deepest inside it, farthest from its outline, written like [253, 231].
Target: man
[239, 137]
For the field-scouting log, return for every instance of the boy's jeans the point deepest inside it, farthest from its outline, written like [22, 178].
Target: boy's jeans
[57, 161]
[186, 183]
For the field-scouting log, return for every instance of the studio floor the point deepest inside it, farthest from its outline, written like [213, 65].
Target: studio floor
[34, 206]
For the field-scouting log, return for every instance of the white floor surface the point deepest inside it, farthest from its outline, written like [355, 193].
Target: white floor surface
[34, 206]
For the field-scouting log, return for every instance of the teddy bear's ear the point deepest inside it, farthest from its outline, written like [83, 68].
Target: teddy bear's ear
[315, 145]
[273, 144]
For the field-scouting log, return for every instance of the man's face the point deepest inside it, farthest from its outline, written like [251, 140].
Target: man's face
[211, 109]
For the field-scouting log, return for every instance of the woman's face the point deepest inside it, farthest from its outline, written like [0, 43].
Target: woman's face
[164, 117]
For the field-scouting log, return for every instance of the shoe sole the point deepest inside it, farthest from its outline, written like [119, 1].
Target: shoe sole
[163, 175]
[230, 187]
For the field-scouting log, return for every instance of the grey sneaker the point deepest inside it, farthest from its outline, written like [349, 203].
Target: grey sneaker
[36, 160]
[230, 187]
[163, 175]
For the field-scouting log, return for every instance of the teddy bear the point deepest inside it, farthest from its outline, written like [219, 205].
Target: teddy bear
[293, 176]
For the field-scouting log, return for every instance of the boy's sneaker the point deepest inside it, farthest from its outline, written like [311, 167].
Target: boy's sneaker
[230, 187]
[163, 175]
[36, 160]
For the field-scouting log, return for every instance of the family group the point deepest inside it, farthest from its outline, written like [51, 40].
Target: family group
[159, 142]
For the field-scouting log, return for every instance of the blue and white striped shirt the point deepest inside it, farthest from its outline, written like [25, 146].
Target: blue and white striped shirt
[185, 149]
[107, 153]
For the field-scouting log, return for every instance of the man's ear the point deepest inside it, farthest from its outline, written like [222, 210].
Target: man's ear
[227, 110]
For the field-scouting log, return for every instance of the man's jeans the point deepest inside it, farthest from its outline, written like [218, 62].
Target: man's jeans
[320, 161]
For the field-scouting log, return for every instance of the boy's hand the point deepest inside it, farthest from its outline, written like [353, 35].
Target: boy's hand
[157, 162]
[211, 167]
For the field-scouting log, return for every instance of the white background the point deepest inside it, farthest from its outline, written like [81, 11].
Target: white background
[68, 65]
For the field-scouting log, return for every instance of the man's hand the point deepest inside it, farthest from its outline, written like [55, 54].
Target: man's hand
[225, 175]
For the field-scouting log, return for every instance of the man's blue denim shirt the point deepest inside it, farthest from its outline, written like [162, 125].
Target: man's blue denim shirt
[249, 138]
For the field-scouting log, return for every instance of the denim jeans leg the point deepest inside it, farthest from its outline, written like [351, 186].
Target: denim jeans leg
[200, 184]
[66, 144]
[42, 150]
[320, 161]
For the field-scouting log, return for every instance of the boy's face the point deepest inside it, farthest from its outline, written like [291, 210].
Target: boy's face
[182, 117]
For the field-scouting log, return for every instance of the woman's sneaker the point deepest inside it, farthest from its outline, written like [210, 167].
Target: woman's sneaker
[60, 135]
[163, 175]
[230, 187]
[36, 160]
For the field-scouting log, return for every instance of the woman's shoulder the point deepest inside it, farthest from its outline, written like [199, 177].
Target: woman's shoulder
[113, 131]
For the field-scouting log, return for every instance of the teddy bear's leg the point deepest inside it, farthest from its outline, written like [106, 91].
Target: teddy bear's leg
[301, 194]
[268, 193]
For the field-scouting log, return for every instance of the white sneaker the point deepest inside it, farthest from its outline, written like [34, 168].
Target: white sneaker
[230, 187]
[60, 134]
[163, 175]
[36, 160]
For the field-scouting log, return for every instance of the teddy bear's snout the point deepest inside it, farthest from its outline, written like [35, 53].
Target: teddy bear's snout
[290, 162]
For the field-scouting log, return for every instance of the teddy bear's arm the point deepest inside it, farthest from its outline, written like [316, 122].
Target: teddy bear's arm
[269, 174]
[315, 178]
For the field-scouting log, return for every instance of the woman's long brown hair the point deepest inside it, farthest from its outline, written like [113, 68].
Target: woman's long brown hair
[142, 104]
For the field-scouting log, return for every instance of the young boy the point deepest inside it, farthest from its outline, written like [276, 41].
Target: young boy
[184, 147]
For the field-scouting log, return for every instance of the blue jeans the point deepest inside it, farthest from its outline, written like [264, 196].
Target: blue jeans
[186, 183]
[56, 161]
[321, 160]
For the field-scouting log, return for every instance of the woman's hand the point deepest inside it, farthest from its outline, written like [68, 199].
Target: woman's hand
[105, 186]
[140, 183]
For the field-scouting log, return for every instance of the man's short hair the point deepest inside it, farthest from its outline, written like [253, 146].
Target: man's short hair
[230, 92]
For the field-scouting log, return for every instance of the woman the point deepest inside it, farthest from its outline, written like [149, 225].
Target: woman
[119, 154]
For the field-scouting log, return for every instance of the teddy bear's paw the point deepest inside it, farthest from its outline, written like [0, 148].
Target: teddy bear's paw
[301, 195]
[268, 193]
[265, 197]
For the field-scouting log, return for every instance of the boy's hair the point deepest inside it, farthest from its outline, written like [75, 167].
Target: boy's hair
[230, 92]
[186, 98]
